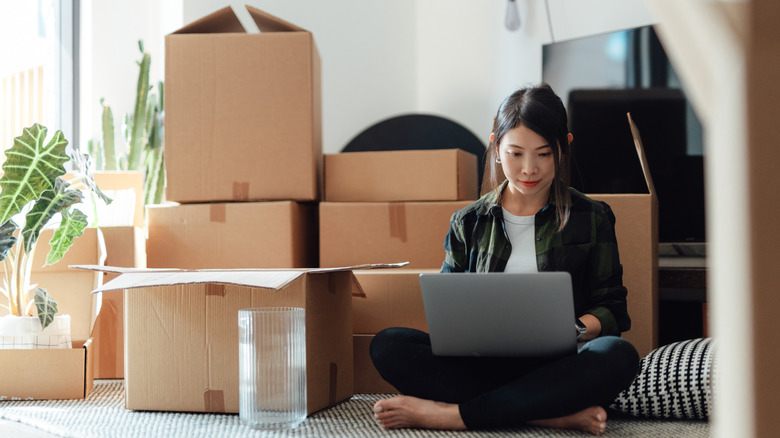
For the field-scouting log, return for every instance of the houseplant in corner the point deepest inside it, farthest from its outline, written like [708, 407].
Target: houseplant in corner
[33, 191]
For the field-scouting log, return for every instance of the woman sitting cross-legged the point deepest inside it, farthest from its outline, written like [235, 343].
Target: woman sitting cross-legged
[532, 221]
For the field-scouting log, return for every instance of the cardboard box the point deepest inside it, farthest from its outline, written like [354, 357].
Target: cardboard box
[243, 112]
[122, 186]
[392, 299]
[125, 247]
[181, 333]
[126, 190]
[636, 228]
[281, 234]
[414, 175]
[367, 378]
[366, 232]
[62, 373]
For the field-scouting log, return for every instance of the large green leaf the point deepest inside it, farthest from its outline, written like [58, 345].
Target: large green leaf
[72, 226]
[46, 307]
[30, 169]
[50, 203]
[7, 238]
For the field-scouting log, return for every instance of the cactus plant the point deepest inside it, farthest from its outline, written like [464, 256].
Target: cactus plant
[138, 133]
[109, 154]
[142, 131]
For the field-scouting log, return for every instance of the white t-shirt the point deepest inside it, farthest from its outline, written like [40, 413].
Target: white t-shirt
[520, 230]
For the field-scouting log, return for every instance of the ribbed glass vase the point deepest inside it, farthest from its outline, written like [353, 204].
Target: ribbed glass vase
[272, 367]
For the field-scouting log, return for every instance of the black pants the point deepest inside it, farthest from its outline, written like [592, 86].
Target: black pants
[505, 392]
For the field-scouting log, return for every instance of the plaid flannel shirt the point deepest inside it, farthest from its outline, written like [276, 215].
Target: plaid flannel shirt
[586, 248]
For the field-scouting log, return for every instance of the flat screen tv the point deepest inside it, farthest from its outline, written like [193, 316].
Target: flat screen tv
[601, 78]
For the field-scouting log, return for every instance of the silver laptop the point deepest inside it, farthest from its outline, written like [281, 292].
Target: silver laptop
[500, 314]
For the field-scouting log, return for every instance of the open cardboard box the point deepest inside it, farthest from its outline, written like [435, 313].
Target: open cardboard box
[243, 112]
[181, 332]
[636, 228]
[59, 373]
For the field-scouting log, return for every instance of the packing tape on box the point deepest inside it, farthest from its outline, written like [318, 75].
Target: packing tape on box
[240, 191]
[213, 401]
[398, 220]
[213, 289]
[217, 213]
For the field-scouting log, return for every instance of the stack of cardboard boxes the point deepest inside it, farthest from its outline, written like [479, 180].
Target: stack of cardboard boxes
[96, 320]
[243, 160]
[46, 374]
[243, 146]
[390, 207]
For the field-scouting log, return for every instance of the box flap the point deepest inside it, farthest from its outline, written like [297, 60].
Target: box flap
[221, 21]
[640, 150]
[358, 267]
[264, 278]
[268, 23]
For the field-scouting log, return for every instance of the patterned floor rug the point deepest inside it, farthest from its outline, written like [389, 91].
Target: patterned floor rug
[103, 414]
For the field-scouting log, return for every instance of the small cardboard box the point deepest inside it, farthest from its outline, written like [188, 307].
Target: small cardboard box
[364, 232]
[125, 247]
[392, 299]
[280, 234]
[636, 228]
[243, 112]
[60, 373]
[126, 190]
[181, 333]
[127, 186]
[367, 378]
[415, 175]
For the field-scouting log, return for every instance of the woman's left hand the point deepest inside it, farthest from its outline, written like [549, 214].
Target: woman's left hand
[593, 325]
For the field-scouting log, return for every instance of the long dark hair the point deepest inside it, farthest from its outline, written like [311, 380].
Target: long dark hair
[539, 109]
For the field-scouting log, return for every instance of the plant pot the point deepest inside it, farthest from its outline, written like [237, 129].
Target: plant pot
[25, 333]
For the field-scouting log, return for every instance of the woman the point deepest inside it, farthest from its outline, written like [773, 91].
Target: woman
[532, 221]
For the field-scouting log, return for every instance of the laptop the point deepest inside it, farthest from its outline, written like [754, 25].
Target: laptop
[500, 314]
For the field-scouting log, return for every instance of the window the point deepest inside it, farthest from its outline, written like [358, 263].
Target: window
[37, 76]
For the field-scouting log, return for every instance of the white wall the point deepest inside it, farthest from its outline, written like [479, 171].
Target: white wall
[578, 18]
[110, 31]
[452, 58]
[367, 48]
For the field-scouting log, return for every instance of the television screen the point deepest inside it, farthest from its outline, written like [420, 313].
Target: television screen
[600, 79]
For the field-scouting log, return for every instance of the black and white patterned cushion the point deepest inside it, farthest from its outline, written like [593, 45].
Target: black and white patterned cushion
[674, 381]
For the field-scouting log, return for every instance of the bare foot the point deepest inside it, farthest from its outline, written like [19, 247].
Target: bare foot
[406, 411]
[592, 419]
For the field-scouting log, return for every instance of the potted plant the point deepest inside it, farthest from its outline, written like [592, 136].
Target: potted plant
[142, 134]
[33, 191]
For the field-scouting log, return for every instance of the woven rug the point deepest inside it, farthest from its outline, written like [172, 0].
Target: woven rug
[102, 414]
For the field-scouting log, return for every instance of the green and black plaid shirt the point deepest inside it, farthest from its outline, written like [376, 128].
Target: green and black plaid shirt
[587, 249]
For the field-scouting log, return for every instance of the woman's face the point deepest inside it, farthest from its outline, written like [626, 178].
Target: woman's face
[528, 162]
